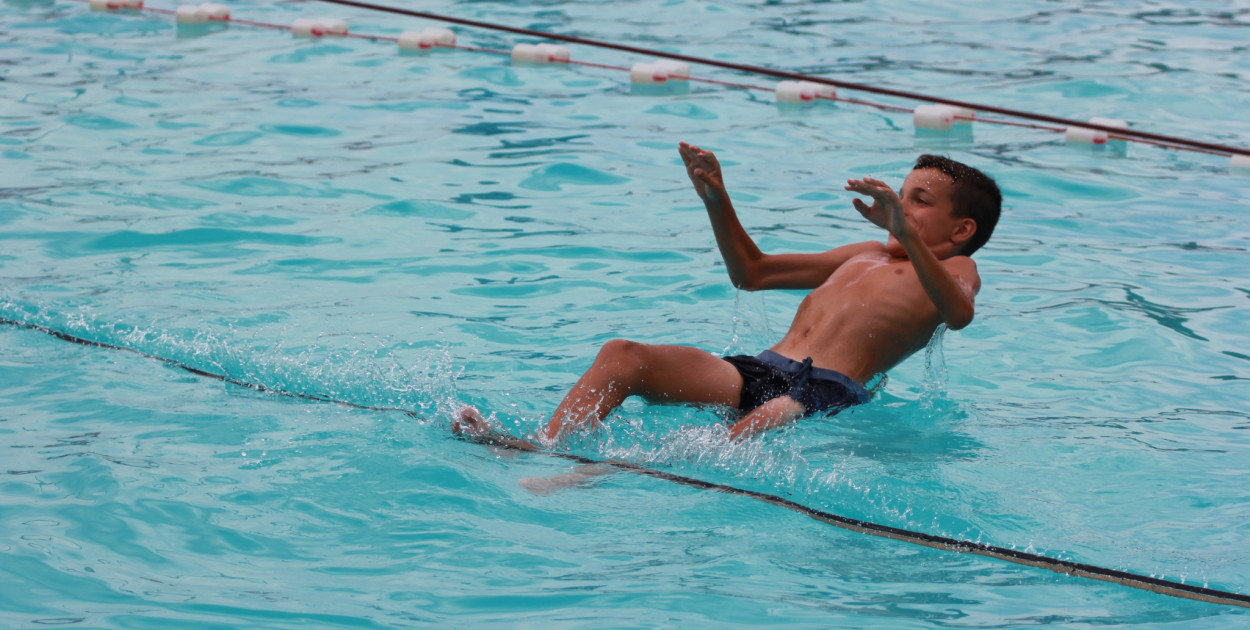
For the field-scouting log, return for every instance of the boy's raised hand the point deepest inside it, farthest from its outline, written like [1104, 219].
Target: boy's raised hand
[886, 210]
[704, 172]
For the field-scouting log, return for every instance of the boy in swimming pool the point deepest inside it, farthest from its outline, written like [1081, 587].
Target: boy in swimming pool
[872, 305]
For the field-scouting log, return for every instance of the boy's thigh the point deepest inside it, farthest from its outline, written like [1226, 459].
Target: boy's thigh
[688, 375]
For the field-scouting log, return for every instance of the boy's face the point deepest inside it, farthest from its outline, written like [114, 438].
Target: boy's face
[928, 197]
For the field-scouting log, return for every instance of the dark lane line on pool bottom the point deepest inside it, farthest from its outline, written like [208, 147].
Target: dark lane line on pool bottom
[1067, 567]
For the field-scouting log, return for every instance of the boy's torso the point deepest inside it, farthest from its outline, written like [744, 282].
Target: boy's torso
[868, 315]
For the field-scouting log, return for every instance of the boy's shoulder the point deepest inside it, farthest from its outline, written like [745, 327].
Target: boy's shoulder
[961, 261]
[964, 268]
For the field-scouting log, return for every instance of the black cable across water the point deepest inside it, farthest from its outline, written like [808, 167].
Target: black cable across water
[1067, 567]
[783, 74]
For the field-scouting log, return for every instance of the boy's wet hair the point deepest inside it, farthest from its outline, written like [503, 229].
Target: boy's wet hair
[976, 197]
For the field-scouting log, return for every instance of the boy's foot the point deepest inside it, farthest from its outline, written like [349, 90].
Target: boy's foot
[580, 477]
[469, 421]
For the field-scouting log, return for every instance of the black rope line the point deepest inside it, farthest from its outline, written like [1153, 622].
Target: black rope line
[187, 367]
[783, 74]
[1067, 567]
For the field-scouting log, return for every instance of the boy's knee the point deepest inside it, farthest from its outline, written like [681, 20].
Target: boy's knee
[622, 356]
[619, 349]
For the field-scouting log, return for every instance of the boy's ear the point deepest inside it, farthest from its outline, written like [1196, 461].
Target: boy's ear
[964, 229]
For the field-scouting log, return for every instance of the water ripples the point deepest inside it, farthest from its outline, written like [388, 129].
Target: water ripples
[336, 220]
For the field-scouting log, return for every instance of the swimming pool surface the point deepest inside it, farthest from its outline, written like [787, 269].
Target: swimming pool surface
[331, 218]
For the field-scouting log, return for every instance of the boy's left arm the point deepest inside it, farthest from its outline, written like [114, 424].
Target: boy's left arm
[951, 284]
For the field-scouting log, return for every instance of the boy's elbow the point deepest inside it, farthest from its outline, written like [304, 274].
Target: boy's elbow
[959, 313]
[747, 285]
[959, 321]
[746, 280]
[753, 283]
[749, 272]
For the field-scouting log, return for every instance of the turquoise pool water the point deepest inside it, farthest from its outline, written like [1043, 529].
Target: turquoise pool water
[331, 218]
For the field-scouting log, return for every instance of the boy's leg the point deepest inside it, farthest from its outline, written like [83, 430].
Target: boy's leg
[777, 412]
[657, 373]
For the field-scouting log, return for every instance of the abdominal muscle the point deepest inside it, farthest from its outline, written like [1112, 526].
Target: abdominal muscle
[869, 315]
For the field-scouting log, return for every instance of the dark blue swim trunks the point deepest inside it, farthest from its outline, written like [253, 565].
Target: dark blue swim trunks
[769, 375]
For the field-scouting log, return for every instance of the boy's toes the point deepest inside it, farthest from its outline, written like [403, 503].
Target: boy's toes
[469, 420]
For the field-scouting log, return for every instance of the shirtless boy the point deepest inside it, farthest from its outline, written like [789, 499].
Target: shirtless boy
[872, 305]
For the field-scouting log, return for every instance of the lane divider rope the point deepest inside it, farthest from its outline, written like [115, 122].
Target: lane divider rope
[1066, 567]
[751, 69]
[940, 117]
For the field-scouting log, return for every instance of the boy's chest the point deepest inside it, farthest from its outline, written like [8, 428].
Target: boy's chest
[873, 274]
[871, 287]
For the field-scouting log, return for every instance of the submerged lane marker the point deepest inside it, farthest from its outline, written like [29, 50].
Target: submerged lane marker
[1067, 567]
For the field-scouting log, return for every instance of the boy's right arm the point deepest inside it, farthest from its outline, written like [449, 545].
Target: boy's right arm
[749, 268]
